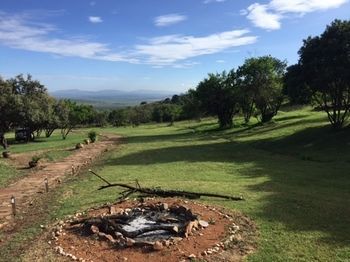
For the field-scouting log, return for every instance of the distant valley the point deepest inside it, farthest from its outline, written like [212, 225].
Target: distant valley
[111, 98]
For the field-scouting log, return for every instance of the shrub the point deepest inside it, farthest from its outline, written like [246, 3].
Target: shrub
[92, 136]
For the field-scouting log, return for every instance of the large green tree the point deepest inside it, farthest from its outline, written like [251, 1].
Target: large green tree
[32, 100]
[295, 86]
[325, 61]
[261, 82]
[218, 96]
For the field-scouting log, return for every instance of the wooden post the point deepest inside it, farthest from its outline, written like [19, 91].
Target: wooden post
[13, 204]
[46, 182]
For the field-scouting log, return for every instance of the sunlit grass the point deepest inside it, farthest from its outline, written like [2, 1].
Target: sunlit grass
[293, 173]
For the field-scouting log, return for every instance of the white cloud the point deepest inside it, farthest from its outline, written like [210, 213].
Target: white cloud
[18, 33]
[170, 49]
[261, 17]
[220, 61]
[268, 16]
[170, 19]
[95, 19]
[304, 6]
[213, 1]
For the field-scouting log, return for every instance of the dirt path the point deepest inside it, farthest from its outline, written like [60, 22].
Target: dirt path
[28, 187]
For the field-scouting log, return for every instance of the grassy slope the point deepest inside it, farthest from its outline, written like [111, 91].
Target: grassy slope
[294, 174]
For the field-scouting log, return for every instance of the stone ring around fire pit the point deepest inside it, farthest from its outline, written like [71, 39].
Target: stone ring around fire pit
[156, 230]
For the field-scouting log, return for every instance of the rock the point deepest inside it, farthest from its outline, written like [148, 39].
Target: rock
[176, 240]
[164, 206]
[115, 210]
[130, 242]
[118, 235]
[94, 229]
[203, 223]
[192, 256]
[166, 243]
[6, 154]
[79, 146]
[176, 229]
[158, 245]
[190, 226]
[3, 225]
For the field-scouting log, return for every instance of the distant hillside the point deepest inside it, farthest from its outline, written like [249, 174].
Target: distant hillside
[111, 98]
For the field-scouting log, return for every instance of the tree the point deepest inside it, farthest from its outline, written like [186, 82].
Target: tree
[262, 78]
[217, 95]
[117, 117]
[51, 119]
[8, 102]
[71, 115]
[325, 61]
[191, 108]
[32, 100]
[295, 86]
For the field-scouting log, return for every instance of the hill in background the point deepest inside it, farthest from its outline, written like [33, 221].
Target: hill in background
[110, 98]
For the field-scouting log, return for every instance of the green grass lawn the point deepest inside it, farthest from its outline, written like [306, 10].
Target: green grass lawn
[55, 142]
[293, 173]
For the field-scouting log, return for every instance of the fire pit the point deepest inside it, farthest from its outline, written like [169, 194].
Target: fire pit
[169, 230]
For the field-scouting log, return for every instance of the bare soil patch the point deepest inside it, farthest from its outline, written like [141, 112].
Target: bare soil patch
[228, 236]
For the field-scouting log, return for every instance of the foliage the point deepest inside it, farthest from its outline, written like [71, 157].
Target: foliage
[218, 96]
[117, 117]
[295, 86]
[325, 61]
[262, 79]
[92, 136]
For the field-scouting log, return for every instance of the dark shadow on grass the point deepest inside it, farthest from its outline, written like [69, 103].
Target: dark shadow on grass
[304, 195]
[292, 117]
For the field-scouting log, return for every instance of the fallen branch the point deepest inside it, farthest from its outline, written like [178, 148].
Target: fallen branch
[160, 192]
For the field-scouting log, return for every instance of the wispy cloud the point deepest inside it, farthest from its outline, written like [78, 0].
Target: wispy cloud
[304, 6]
[170, 19]
[95, 19]
[16, 31]
[169, 49]
[268, 16]
[213, 1]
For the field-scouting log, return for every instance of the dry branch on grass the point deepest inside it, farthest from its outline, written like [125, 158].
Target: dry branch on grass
[159, 192]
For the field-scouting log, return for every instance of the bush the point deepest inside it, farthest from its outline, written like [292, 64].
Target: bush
[92, 136]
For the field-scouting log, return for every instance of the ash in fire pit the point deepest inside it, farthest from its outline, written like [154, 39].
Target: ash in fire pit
[145, 225]
[128, 231]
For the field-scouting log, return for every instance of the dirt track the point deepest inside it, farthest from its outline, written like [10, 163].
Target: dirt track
[29, 186]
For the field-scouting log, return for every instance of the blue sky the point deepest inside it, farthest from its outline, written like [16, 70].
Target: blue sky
[165, 45]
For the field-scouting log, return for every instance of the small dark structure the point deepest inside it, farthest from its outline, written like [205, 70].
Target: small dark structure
[22, 134]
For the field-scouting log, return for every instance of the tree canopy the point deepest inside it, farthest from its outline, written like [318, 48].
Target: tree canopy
[325, 62]
[261, 84]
